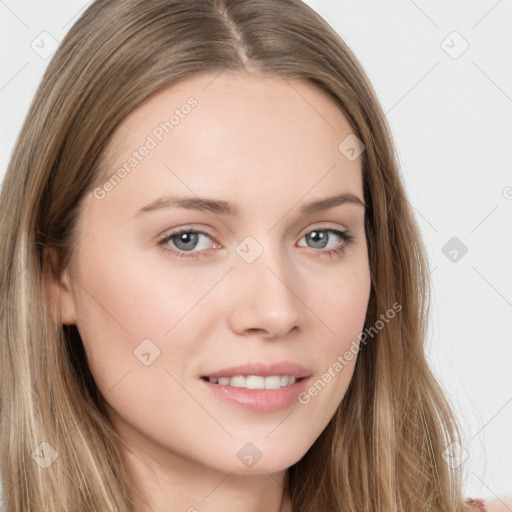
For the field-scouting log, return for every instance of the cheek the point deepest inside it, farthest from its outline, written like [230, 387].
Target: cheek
[351, 294]
[122, 301]
[341, 302]
[342, 307]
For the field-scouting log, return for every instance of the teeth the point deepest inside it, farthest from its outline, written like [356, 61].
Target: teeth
[255, 381]
[271, 382]
[237, 382]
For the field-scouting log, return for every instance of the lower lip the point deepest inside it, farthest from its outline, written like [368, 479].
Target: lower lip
[259, 400]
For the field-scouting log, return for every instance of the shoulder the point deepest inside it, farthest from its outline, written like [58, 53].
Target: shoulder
[503, 504]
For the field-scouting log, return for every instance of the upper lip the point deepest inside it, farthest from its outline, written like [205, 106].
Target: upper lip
[263, 369]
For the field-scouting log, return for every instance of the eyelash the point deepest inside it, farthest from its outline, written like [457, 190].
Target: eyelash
[336, 252]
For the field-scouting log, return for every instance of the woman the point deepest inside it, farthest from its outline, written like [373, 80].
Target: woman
[215, 292]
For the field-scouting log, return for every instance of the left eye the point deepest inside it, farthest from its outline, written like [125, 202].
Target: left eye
[320, 237]
[185, 241]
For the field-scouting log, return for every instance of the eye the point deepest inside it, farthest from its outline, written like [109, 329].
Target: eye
[321, 237]
[185, 241]
[194, 242]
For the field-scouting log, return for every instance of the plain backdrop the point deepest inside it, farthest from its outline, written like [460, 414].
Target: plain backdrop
[442, 72]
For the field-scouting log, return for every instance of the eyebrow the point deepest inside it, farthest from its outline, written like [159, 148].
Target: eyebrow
[226, 208]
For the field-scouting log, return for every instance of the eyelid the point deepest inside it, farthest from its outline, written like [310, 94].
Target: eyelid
[200, 230]
[185, 229]
[322, 226]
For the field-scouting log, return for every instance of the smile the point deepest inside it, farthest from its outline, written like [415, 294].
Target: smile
[255, 381]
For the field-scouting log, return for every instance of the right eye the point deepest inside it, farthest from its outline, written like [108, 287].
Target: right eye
[184, 241]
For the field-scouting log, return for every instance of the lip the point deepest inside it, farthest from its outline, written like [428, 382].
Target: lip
[259, 400]
[263, 369]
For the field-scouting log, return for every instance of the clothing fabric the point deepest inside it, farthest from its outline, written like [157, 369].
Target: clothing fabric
[478, 503]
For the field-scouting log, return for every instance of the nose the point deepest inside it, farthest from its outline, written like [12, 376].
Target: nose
[265, 297]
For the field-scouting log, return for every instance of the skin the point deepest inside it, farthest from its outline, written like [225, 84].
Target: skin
[269, 146]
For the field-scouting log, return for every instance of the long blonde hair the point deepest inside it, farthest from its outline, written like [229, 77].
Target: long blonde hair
[385, 447]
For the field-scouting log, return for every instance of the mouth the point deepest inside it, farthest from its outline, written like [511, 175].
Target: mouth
[260, 387]
[255, 381]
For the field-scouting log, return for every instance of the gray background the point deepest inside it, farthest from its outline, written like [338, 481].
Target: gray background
[450, 110]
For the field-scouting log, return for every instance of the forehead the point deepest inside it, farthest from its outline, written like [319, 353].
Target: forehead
[253, 131]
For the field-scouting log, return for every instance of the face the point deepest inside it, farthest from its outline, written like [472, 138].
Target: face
[246, 270]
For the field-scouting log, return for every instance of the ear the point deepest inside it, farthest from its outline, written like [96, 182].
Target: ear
[57, 289]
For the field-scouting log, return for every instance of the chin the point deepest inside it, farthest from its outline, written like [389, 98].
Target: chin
[264, 457]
